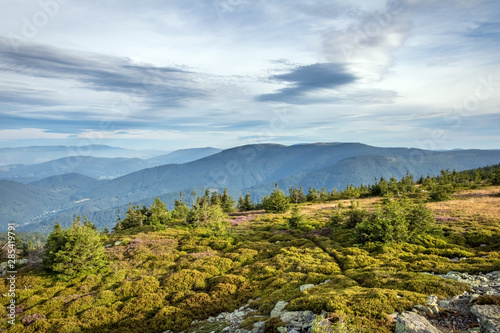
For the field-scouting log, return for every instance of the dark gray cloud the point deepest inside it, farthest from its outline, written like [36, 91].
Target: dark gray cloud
[167, 86]
[305, 79]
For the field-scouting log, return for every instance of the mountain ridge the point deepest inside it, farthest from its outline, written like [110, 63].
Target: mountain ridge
[255, 169]
[98, 167]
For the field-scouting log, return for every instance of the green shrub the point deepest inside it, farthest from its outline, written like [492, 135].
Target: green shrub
[148, 284]
[171, 318]
[185, 280]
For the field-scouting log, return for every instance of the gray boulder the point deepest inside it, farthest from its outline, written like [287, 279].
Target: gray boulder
[410, 322]
[489, 317]
[279, 308]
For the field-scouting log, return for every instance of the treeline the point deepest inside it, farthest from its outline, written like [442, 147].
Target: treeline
[26, 243]
[79, 249]
[209, 210]
[212, 208]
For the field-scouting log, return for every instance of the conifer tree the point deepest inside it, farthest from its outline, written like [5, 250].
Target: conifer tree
[277, 202]
[159, 215]
[75, 251]
[296, 195]
[181, 209]
[226, 202]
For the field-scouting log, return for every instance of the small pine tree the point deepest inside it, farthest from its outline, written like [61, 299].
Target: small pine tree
[420, 220]
[296, 195]
[296, 219]
[277, 202]
[226, 202]
[356, 215]
[75, 251]
[245, 204]
[158, 215]
[495, 180]
[136, 216]
[441, 193]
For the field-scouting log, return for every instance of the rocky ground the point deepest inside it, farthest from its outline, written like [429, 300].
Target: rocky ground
[474, 311]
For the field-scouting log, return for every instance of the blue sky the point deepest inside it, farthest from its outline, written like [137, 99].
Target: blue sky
[222, 73]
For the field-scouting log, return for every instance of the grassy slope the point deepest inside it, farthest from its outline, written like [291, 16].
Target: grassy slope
[165, 280]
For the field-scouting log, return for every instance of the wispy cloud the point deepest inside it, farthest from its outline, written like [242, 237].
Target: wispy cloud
[102, 73]
[203, 71]
[306, 79]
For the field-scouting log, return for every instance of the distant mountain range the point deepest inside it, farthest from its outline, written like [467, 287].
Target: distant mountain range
[95, 167]
[41, 154]
[250, 169]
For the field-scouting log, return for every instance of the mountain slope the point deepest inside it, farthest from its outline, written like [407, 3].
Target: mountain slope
[95, 167]
[255, 169]
[41, 154]
[22, 203]
[364, 169]
[98, 167]
[183, 156]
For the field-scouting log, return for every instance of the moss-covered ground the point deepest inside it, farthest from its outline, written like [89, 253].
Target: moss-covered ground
[164, 280]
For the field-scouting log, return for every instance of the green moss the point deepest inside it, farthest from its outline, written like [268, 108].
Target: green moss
[488, 300]
[186, 279]
[79, 305]
[164, 280]
[171, 318]
[148, 284]
[272, 325]
[415, 282]
[243, 255]
[99, 316]
[248, 323]
[146, 303]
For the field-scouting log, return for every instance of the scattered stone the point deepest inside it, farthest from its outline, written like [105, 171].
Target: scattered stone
[435, 309]
[118, 243]
[431, 300]
[450, 315]
[279, 308]
[423, 308]
[306, 286]
[258, 326]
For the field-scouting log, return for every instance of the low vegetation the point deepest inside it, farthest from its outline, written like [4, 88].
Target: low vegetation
[369, 251]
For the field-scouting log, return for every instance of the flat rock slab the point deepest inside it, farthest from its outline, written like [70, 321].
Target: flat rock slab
[411, 322]
[489, 316]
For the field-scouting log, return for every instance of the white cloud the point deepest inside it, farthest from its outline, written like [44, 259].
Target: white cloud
[87, 63]
[30, 133]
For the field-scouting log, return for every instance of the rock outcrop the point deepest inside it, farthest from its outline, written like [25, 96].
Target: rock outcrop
[411, 322]
[489, 317]
[461, 312]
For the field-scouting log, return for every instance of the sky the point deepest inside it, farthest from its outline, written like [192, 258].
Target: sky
[169, 75]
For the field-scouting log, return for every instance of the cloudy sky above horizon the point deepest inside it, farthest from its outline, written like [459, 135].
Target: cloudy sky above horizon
[222, 73]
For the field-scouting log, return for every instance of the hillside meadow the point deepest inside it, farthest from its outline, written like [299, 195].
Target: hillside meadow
[164, 280]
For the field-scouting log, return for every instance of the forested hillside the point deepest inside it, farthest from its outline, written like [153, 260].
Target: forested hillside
[327, 261]
[250, 169]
